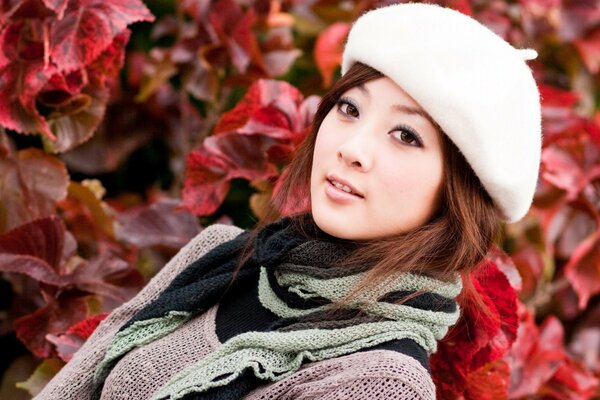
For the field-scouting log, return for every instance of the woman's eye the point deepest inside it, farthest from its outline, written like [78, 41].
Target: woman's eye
[406, 136]
[349, 109]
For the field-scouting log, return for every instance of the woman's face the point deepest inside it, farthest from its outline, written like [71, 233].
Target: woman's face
[377, 144]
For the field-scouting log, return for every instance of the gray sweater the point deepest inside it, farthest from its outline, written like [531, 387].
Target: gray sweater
[373, 375]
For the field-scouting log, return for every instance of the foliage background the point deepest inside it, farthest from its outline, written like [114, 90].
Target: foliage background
[125, 128]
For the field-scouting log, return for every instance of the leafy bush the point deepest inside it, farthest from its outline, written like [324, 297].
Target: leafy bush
[118, 142]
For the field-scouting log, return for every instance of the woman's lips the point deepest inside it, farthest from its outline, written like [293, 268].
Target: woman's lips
[339, 195]
[343, 185]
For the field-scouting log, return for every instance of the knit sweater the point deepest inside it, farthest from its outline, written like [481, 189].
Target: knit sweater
[378, 373]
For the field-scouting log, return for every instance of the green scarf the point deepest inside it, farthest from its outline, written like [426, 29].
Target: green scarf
[297, 286]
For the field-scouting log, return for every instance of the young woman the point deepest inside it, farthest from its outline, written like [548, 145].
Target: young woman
[429, 138]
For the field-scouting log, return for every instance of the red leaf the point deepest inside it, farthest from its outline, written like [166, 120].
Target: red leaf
[589, 48]
[583, 269]
[571, 382]
[31, 266]
[278, 48]
[31, 182]
[561, 170]
[566, 226]
[160, 223]
[507, 266]
[492, 338]
[555, 98]
[34, 249]
[22, 41]
[200, 80]
[206, 182]
[245, 155]
[54, 318]
[489, 382]
[78, 125]
[65, 344]
[328, 50]
[558, 115]
[43, 239]
[536, 354]
[498, 20]
[242, 44]
[234, 30]
[224, 14]
[108, 276]
[92, 34]
[69, 342]
[110, 61]
[482, 338]
[76, 119]
[272, 108]
[459, 5]
[577, 17]
[85, 328]
[89, 27]
[220, 159]
[61, 87]
[58, 6]
[23, 76]
[593, 128]
[585, 345]
[530, 265]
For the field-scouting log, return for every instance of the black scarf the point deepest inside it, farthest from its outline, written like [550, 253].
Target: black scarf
[278, 246]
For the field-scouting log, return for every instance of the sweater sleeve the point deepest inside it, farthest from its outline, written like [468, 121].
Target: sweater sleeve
[369, 375]
[74, 380]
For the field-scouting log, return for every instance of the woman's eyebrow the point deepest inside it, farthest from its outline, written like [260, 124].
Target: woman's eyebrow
[403, 108]
[362, 88]
[412, 111]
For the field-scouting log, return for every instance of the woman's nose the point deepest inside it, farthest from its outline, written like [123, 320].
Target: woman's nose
[356, 151]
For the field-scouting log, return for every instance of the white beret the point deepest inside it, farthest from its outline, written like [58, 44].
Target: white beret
[472, 82]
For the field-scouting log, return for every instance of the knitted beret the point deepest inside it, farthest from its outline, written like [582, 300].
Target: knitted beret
[472, 82]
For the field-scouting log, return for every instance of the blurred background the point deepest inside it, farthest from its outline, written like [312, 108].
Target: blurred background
[128, 126]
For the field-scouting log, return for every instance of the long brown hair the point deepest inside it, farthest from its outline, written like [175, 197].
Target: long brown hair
[455, 240]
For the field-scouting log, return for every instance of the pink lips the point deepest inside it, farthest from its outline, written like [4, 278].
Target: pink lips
[340, 195]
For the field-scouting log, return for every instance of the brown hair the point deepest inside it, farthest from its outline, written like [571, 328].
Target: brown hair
[456, 239]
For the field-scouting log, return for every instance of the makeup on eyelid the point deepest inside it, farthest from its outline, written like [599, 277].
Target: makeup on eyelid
[344, 100]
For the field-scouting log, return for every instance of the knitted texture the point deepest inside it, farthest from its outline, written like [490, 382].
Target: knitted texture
[374, 375]
[436, 322]
[141, 333]
[147, 368]
[370, 375]
[276, 354]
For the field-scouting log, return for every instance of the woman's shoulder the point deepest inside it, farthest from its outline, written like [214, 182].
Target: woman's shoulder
[372, 374]
[214, 235]
[209, 238]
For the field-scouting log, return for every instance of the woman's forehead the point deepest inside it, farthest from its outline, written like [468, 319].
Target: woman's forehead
[386, 93]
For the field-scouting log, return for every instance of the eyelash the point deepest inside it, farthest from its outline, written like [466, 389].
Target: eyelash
[419, 142]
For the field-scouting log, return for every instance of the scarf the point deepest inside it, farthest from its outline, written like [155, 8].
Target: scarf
[298, 280]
